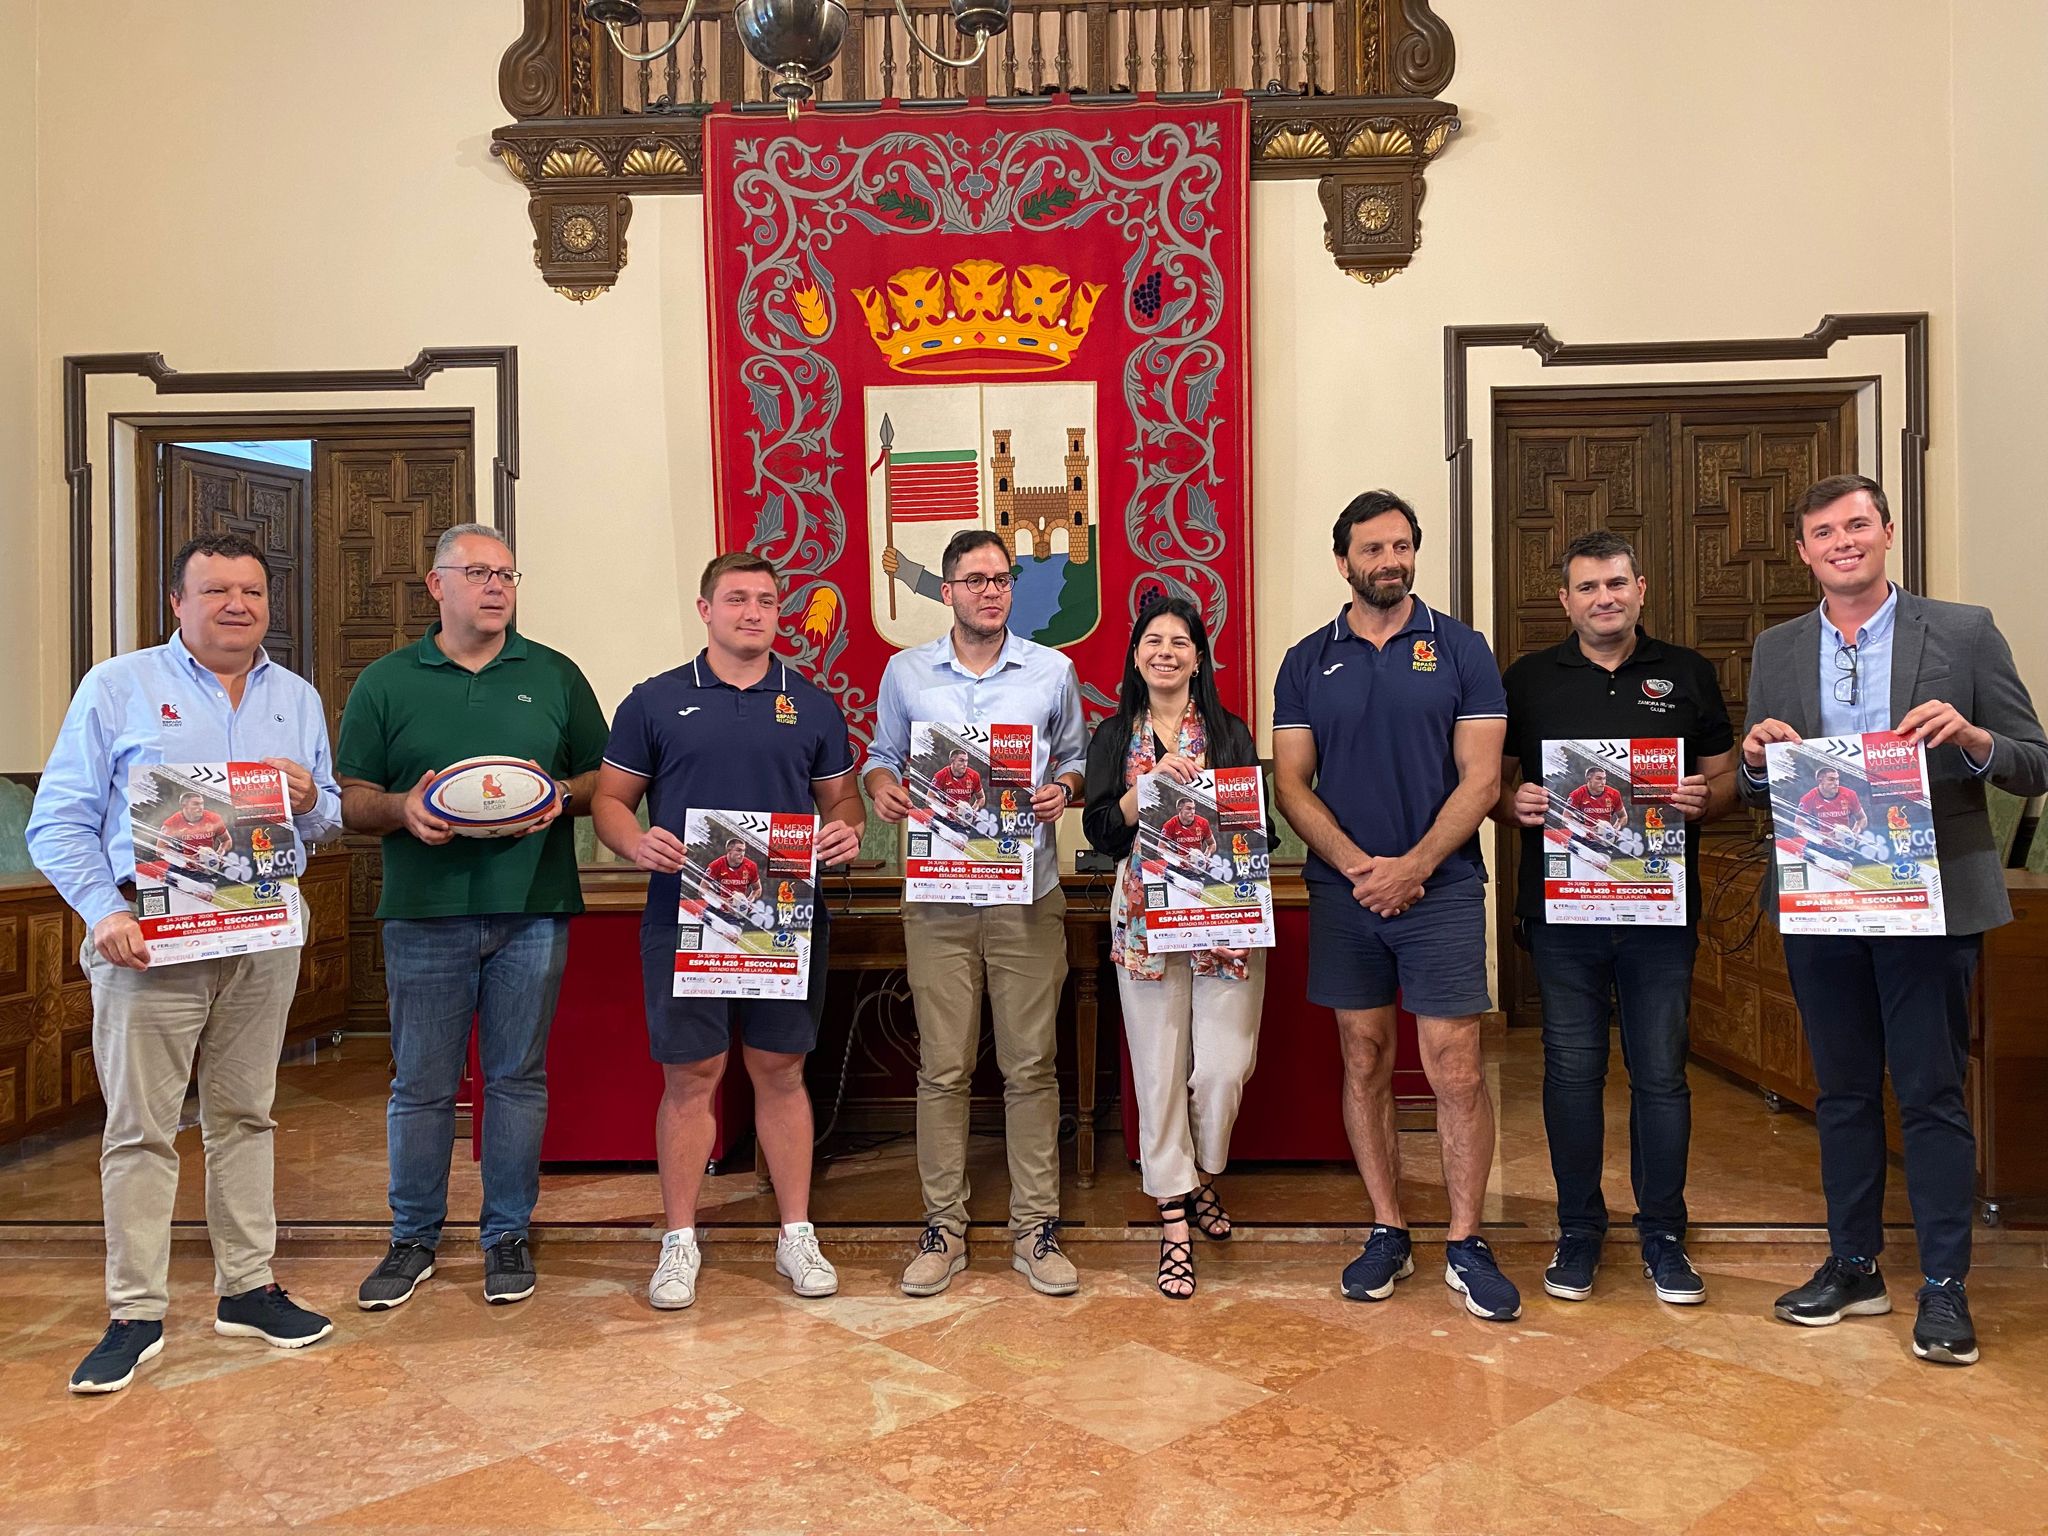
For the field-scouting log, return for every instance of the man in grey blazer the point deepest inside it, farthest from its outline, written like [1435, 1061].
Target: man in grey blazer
[1874, 657]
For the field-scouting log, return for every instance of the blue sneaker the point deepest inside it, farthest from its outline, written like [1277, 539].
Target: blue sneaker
[113, 1361]
[1570, 1276]
[1387, 1258]
[1670, 1271]
[268, 1313]
[1469, 1268]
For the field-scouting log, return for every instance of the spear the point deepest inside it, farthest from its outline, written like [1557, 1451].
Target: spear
[888, 511]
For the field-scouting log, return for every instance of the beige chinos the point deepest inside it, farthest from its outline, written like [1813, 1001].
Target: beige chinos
[1023, 949]
[148, 1028]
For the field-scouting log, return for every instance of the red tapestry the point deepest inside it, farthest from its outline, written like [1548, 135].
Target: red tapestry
[1027, 319]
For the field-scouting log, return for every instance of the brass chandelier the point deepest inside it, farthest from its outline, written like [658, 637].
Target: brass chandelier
[797, 40]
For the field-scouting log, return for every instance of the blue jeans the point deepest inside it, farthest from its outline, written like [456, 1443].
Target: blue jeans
[442, 973]
[1584, 973]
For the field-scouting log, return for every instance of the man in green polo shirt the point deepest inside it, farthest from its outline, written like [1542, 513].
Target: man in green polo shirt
[473, 927]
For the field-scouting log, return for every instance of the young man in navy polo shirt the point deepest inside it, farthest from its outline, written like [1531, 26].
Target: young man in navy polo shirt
[734, 729]
[1387, 730]
[1609, 679]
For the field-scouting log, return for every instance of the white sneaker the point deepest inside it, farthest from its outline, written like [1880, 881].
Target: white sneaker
[674, 1285]
[810, 1272]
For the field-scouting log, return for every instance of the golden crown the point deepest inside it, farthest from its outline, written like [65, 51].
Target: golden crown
[981, 317]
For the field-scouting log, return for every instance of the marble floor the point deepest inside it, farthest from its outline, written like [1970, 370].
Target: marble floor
[1750, 1168]
[1266, 1404]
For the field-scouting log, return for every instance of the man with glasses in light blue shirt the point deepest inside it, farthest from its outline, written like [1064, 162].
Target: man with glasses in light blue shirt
[980, 672]
[211, 694]
[1874, 657]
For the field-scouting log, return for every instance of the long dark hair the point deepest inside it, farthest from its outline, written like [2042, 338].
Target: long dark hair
[1230, 744]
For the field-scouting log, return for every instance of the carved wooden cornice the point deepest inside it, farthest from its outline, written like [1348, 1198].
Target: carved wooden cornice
[1368, 151]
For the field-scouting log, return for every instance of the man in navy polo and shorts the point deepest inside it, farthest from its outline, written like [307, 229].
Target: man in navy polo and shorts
[735, 729]
[1387, 731]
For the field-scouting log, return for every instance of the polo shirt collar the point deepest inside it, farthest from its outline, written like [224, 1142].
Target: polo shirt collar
[429, 652]
[1648, 648]
[1421, 620]
[702, 676]
[192, 665]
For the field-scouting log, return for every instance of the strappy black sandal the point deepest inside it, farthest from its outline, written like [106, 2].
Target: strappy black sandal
[1211, 1220]
[1176, 1259]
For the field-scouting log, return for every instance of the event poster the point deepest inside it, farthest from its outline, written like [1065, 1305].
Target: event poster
[971, 828]
[749, 890]
[217, 860]
[1854, 836]
[1203, 855]
[1613, 846]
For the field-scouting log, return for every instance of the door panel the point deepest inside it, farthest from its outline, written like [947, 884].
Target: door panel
[1700, 484]
[379, 509]
[272, 505]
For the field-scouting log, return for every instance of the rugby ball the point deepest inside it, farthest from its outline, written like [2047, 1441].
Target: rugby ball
[490, 796]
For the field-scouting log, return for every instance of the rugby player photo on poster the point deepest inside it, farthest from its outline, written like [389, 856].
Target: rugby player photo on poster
[1613, 845]
[1854, 836]
[743, 924]
[1202, 855]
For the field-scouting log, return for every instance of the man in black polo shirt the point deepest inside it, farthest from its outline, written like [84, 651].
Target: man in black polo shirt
[1610, 680]
[474, 928]
[735, 729]
[1387, 728]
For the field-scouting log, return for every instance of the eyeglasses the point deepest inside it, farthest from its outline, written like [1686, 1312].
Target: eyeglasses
[1845, 675]
[477, 575]
[978, 583]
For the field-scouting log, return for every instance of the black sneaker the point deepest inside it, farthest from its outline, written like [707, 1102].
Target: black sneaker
[1570, 1276]
[130, 1341]
[508, 1270]
[1387, 1258]
[1469, 1269]
[1839, 1288]
[267, 1313]
[1941, 1333]
[393, 1281]
[1670, 1271]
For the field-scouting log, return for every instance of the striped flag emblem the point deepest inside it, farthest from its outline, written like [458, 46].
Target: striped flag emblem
[938, 486]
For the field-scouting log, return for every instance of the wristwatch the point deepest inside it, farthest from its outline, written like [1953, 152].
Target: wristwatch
[1068, 789]
[568, 795]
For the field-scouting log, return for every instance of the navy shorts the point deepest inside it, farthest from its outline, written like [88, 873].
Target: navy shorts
[682, 1029]
[1433, 955]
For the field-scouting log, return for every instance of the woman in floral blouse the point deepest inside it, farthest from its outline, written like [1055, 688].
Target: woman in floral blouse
[1191, 1021]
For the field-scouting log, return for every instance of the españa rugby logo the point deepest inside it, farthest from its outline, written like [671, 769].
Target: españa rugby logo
[1425, 656]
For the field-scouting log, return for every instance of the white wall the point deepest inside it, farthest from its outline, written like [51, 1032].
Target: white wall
[21, 746]
[1626, 172]
[2001, 242]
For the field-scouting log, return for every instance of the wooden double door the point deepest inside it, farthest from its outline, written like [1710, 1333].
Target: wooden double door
[1701, 483]
[349, 541]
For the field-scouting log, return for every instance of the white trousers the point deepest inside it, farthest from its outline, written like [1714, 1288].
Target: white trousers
[1193, 1042]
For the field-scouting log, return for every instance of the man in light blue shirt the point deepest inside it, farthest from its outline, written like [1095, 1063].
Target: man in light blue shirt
[979, 672]
[210, 695]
